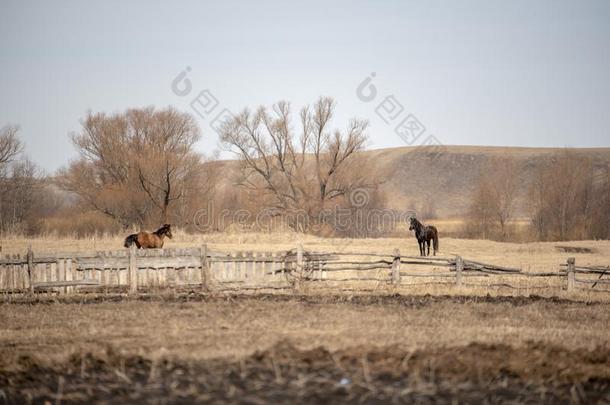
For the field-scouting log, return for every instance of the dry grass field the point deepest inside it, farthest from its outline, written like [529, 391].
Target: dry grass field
[305, 348]
[416, 344]
[539, 256]
[530, 257]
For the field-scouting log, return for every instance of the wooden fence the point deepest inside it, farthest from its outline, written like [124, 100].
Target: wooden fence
[199, 268]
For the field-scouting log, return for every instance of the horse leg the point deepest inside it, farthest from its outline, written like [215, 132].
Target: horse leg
[422, 249]
[428, 243]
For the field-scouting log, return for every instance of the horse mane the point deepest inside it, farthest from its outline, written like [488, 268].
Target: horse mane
[418, 224]
[163, 230]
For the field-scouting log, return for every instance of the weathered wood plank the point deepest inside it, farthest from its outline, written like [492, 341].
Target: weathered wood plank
[108, 263]
[459, 267]
[441, 275]
[61, 274]
[54, 284]
[396, 267]
[70, 274]
[133, 270]
[571, 275]
[583, 281]
[30, 268]
[206, 275]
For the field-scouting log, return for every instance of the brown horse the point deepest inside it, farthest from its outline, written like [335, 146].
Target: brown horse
[424, 234]
[147, 240]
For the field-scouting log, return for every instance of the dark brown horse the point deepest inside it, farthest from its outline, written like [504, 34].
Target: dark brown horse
[147, 240]
[424, 235]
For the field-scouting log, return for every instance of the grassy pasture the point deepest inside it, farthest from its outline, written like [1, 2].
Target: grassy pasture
[537, 256]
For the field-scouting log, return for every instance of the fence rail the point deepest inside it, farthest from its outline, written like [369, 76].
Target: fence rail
[198, 267]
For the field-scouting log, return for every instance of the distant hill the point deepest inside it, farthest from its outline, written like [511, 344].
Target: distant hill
[410, 176]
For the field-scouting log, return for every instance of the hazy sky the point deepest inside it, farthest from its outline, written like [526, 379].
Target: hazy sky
[528, 73]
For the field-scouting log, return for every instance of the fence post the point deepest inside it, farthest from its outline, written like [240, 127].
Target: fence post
[205, 270]
[30, 258]
[571, 273]
[133, 270]
[61, 275]
[396, 267]
[459, 266]
[299, 267]
[69, 274]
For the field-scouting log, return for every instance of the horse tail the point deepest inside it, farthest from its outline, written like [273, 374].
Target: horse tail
[130, 240]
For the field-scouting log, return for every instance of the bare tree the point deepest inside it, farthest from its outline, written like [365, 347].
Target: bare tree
[505, 176]
[561, 196]
[538, 202]
[10, 145]
[481, 213]
[21, 197]
[298, 170]
[20, 185]
[600, 211]
[138, 166]
[494, 198]
[166, 165]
